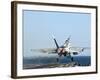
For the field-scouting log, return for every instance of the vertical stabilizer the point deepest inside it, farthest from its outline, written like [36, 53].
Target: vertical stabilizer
[66, 44]
[55, 41]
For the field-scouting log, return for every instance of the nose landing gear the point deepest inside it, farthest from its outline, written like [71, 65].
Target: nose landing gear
[57, 59]
[72, 59]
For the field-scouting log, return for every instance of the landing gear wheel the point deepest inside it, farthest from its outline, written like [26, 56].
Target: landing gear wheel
[57, 59]
[64, 54]
[72, 59]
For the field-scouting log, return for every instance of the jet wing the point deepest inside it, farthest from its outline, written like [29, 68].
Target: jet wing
[45, 50]
[78, 49]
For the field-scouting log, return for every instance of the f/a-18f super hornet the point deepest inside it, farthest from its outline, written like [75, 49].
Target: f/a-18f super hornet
[65, 50]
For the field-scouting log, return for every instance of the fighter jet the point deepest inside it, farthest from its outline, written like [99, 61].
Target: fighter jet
[65, 50]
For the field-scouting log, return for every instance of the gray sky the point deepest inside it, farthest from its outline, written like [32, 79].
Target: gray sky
[39, 26]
